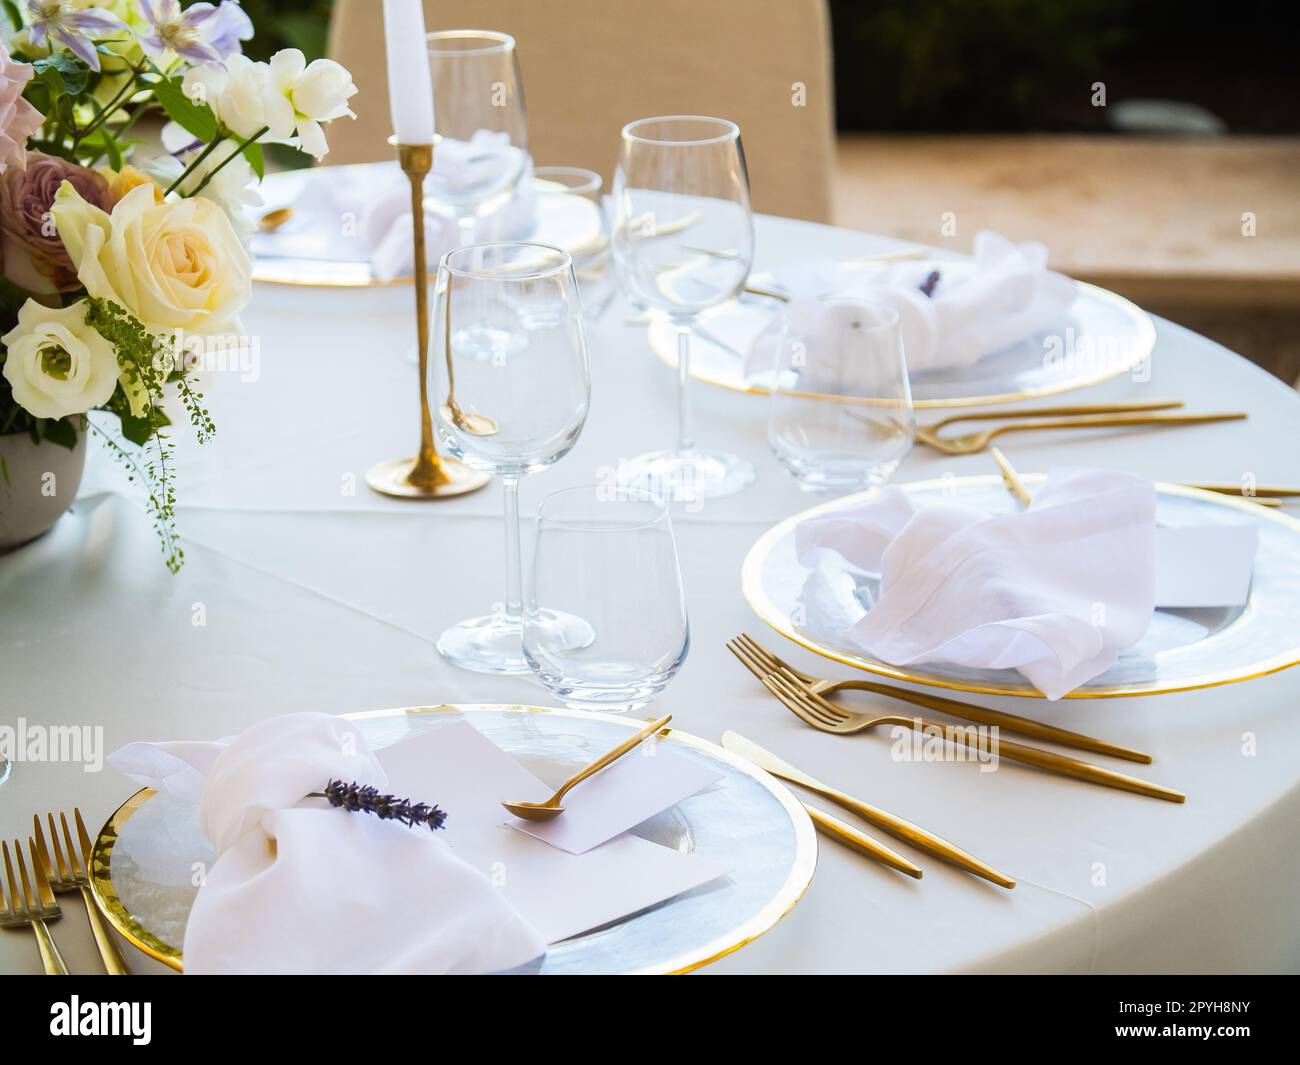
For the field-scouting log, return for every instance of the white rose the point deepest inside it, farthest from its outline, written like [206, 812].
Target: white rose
[237, 93]
[307, 95]
[174, 265]
[58, 365]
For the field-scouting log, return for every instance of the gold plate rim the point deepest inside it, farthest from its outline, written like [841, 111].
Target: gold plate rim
[1146, 345]
[785, 900]
[760, 603]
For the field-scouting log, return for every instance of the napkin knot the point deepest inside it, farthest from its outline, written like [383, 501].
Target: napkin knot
[274, 764]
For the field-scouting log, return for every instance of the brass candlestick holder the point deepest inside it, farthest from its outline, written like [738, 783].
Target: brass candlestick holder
[428, 475]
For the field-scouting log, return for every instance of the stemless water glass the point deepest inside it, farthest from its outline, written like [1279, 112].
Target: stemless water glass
[514, 410]
[572, 203]
[683, 240]
[606, 555]
[482, 121]
[841, 409]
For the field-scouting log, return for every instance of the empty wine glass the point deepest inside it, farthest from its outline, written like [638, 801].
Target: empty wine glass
[482, 121]
[513, 410]
[683, 240]
[841, 408]
[606, 554]
[571, 202]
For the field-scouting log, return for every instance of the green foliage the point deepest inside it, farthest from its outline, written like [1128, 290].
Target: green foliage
[196, 118]
[968, 64]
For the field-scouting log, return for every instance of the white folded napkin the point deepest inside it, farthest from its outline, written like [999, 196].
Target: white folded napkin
[1004, 295]
[363, 213]
[1055, 592]
[302, 887]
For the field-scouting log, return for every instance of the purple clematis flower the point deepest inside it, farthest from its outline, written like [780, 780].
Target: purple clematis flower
[72, 27]
[202, 33]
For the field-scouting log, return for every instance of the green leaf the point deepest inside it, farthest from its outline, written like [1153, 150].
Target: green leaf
[195, 117]
[253, 153]
[10, 8]
[64, 72]
[102, 142]
[58, 431]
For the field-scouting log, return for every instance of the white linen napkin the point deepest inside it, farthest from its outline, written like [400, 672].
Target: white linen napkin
[1003, 296]
[302, 887]
[362, 213]
[1056, 591]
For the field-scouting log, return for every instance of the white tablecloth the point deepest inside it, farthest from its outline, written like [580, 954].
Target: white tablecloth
[303, 590]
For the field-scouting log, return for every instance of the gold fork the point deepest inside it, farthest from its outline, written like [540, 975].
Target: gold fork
[31, 909]
[827, 717]
[67, 875]
[1127, 415]
[760, 661]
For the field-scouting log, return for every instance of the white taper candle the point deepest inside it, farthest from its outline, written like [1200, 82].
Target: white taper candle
[410, 88]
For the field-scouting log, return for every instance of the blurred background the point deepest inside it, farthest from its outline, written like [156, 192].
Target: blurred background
[1153, 146]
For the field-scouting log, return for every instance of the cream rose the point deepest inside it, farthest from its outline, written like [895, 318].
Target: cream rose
[57, 364]
[174, 265]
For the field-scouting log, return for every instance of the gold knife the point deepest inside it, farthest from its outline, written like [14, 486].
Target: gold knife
[843, 832]
[891, 823]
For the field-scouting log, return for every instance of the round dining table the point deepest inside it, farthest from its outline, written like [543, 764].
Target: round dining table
[304, 590]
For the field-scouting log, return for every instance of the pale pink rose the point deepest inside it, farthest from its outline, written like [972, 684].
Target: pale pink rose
[18, 119]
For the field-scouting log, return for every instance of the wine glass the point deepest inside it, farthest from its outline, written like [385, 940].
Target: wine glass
[482, 122]
[570, 197]
[683, 240]
[606, 555]
[512, 410]
[841, 408]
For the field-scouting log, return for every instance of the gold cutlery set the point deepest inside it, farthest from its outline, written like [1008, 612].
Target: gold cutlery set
[29, 902]
[806, 697]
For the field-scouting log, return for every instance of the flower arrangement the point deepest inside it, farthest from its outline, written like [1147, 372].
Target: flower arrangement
[117, 255]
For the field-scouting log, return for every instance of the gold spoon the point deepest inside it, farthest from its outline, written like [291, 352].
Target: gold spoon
[273, 220]
[544, 811]
[474, 424]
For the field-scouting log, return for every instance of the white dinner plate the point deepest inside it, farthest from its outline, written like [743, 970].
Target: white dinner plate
[1103, 336]
[144, 859]
[1182, 649]
[571, 223]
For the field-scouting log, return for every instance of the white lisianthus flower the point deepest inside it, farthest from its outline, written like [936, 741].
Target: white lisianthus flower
[238, 93]
[174, 265]
[305, 95]
[57, 364]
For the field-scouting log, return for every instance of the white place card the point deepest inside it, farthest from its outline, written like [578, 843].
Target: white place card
[644, 782]
[1204, 565]
[561, 894]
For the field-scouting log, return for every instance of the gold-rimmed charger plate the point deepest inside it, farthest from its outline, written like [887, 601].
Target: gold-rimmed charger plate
[1104, 336]
[1236, 644]
[146, 856]
[314, 259]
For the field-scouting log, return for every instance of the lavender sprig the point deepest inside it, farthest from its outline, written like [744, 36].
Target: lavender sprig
[366, 799]
[931, 281]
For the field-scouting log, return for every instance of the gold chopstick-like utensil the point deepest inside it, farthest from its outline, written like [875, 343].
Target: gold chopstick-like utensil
[544, 811]
[760, 661]
[73, 874]
[32, 908]
[970, 443]
[825, 716]
[1012, 479]
[891, 823]
[845, 833]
